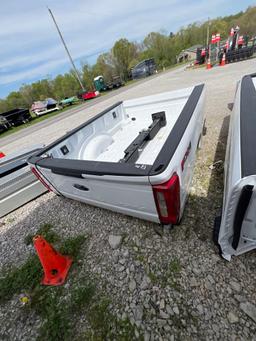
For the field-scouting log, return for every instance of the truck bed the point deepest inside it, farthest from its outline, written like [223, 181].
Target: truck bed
[106, 138]
[136, 157]
[237, 232]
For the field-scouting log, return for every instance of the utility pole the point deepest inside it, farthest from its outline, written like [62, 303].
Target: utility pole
[207, 40]
[65, 46]
[208, 29]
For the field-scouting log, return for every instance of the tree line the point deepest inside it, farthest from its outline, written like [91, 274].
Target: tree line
[125, 54]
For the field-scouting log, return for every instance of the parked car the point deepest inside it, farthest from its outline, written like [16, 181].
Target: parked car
[136, 157]
[85, 95]
[145, 68]
[44, 107]
[236, 233]
[17, 116]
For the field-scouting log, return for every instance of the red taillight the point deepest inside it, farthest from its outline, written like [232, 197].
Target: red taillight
[40, 178]
[167, 198]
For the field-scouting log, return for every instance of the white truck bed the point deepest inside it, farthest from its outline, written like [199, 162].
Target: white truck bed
[237, 231]
[131, 155]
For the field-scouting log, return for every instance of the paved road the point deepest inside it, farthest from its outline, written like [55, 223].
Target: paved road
[68, 113]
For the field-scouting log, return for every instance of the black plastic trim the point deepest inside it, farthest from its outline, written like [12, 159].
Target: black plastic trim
[175, 136]
[76, 168]
[242, 206]
[248, 126]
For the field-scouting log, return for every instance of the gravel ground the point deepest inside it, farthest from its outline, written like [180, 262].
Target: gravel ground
[171, 287]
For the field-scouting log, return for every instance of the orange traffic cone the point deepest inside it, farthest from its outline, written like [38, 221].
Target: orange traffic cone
[208, 65]
[223, 60]
[2, 154]
[55, 265]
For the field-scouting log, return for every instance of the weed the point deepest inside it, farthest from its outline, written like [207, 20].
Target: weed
[105, 326]
[152, 277]
[126, 330]
[168, 276]
[140, 258]
[46, 232]
[46, 301]
[72, 246]
[82, 296]
[24, 278]
[175, 266]
[100, 319]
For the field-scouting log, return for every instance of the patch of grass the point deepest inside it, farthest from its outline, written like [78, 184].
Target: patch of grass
[169, 275]
[100, 320]
[47, 303]
[153, 277]
[175, 266]
[127, 331]
[58, 313]
[24, 278]
[82, 296]
[141, 258]
[72, 246]
[46, 232]
[105, 326]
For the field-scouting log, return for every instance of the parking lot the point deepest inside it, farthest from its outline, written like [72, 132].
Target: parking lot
[172, 286]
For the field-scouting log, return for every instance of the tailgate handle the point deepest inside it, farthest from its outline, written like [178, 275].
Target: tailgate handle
[81, 187]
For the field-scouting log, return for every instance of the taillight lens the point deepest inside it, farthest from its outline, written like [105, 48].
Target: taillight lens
[40, 178]
[167, 199]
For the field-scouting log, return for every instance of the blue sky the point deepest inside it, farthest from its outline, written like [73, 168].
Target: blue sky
[31, 49]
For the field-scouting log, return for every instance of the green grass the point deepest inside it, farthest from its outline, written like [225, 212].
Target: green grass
[20, 279]
[175, 266]
[169, 276]
[59, 313]
[46, 232]
[105, 326]
[72, 246]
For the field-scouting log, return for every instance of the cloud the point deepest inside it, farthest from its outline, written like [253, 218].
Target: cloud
[32, 48]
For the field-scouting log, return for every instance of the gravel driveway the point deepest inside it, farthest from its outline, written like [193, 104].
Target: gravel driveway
[170, 287]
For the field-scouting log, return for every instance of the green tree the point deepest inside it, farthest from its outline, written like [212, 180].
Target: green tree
[123, 53]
